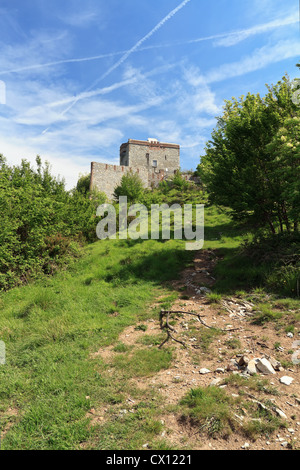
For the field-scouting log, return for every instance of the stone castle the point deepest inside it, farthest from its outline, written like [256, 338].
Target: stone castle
[152, 160]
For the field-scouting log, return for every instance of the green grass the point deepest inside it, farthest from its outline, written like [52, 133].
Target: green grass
[143, 362]
[210, 410]
[214, 412]
[53, 328]
[50, 329]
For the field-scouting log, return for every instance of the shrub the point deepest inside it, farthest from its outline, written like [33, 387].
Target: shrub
[131, 186]
[40, 221]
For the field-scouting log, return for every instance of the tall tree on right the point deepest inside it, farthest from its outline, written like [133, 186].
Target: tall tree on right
[252, 162]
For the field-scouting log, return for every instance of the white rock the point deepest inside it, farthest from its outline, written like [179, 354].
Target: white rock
[286, 380]
[265, 367]
[251, 367]
[204, 371]
[204, 290]
[290, 335]
[215, 382]
[246, 445]
[296, 357]
[281, 413]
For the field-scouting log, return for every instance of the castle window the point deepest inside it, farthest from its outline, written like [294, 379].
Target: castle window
[154, 164]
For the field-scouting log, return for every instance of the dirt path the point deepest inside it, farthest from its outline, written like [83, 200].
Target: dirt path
[218, 353]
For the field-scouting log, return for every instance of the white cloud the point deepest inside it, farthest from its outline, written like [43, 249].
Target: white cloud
[259, 59]
[231, 39]
[27, 54]
[197, 98]
[80, 18]
[61, 166]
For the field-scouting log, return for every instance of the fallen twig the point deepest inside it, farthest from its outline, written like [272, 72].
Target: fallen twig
[166, 314]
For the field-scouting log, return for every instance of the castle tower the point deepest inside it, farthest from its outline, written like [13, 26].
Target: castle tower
[151, 154]
[150, 159]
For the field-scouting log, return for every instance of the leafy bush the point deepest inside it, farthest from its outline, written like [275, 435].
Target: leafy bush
[40, 221]
[252, 159]
[131, 186]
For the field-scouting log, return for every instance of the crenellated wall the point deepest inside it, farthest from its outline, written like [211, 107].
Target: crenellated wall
[106, 178]
[152, 160]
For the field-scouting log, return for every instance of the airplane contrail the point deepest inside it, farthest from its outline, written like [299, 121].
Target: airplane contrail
[229, 38]
[128, 53]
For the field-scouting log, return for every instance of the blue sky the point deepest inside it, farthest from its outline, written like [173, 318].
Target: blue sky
[80, 78]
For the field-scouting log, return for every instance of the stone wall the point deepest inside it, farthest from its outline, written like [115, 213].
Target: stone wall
[138, 153]
[137, 156]
[106, 177]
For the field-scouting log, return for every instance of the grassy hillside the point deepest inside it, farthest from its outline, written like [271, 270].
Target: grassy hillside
[50, 328]
[53, 328]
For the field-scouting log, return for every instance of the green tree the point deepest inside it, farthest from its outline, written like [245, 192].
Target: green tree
[241, 169]
[131, 186]
[83, 184]
[40, 221]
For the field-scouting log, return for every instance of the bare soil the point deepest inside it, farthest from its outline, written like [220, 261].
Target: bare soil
[233, 316]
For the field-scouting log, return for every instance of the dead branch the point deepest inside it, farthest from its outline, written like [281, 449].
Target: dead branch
[166, 326]
[176, 312]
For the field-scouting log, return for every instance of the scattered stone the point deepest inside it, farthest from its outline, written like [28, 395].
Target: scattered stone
[203, 290]
[264, 366]
[251, 367]
[231, 367]
[204, 371]
[215, 382]
[296, 358]
[220, 370]
[290, 335]
[246, 445]
[286, 380]
[284, 444]
[275, 364]
[280, 413]
[243, 361]
[291, 430]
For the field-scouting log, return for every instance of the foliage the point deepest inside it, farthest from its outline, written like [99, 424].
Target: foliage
[178, 182]
[252, 161]
[131, 186]
[83, 184]
[40, 221]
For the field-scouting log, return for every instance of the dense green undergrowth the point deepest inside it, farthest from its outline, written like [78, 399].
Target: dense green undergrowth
[42, 224]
